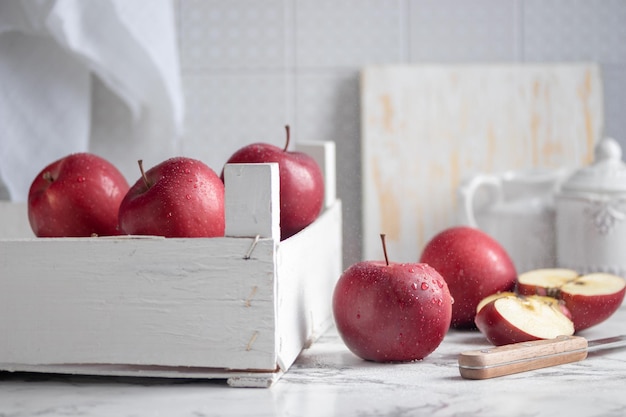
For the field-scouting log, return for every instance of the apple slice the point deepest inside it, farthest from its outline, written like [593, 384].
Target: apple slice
[492, 297]
[513, 319]
[591, 298]
[560, 304]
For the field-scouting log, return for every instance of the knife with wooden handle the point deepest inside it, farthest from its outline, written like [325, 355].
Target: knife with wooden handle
[526, 356]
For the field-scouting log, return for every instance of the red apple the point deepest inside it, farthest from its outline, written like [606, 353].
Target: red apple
[301, 183]
[513, 319]
[180, 197]
[76, 196]
[591, 298]
[391, 312]
[474, 266]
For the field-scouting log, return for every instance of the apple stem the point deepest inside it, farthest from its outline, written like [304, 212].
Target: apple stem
[382, 238]
[143, 174]
[288, 132]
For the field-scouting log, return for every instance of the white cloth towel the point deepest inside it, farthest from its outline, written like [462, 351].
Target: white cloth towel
[98, 75]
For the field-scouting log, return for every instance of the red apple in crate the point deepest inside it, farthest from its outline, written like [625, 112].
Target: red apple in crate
[513, 319]
[390, 312]
[76, 196]
[474, 266]
[180, 197]
[301, 183]
[591, 298]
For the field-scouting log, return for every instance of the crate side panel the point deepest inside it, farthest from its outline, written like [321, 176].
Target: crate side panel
[309, 264]
[171, 302]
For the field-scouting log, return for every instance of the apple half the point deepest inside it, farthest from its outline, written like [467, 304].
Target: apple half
[511, 318]
[590, 298]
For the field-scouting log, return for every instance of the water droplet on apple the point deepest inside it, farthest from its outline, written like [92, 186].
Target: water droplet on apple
[81, 179]
[188, 196]
[168, 215]
[424, 286]
[411, 270]
[187, 171]
[451, 300]
[414, 285]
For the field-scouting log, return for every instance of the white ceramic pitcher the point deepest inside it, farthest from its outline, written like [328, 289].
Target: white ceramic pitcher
[518, 210]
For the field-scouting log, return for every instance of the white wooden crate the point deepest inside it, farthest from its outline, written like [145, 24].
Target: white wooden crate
[240, 307]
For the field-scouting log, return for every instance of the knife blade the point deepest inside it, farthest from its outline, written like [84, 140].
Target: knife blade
[525, 356]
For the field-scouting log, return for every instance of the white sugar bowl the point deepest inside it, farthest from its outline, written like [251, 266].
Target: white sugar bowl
[591, 214]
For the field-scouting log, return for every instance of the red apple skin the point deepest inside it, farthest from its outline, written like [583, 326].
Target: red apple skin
[391, 313]
[498, 330]
[76, 196]
[474, 266]
[589, 310]
[185, 199]
[301, 184]
[531, 289]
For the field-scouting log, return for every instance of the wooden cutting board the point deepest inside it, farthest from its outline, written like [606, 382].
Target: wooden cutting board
[427, 128]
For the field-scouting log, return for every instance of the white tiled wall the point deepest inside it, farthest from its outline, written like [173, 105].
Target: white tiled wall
[459, 30]
[252, 66]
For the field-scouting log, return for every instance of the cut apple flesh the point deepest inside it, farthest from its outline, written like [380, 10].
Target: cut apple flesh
[534, 317]
[594, 284]
[549, 300]
[542, 280]
[492, 297]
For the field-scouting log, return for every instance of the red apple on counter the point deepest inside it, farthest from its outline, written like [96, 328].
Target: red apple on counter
[591, 298]
[474, 266]
[391, 312]
[76, 196]
[180, 197]
[301, 183]
[513, 319]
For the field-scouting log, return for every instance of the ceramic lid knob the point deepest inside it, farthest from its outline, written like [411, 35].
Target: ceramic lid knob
[608, 150]
[607, 174]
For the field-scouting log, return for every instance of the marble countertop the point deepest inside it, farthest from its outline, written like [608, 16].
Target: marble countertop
[327, 380]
